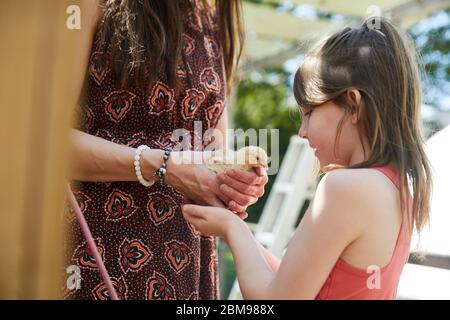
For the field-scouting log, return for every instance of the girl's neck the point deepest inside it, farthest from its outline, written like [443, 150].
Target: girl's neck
[358, 155]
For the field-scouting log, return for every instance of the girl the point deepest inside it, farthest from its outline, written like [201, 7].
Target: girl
[359, 95]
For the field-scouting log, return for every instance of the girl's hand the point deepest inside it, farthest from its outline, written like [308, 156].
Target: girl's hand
[210, 221]
[243, 188]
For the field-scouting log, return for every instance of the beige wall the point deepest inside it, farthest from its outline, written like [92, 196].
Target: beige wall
[37, 60]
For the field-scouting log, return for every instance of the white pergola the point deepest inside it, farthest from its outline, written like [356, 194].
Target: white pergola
[274, 36]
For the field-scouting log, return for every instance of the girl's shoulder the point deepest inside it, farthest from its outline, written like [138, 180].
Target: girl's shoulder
[369, 191]
[369, 201]
[364, 179]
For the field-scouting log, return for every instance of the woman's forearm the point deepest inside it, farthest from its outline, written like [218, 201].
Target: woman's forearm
[97, 159]
[253, 271]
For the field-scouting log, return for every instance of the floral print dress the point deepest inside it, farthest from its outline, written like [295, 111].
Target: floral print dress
[149, 249]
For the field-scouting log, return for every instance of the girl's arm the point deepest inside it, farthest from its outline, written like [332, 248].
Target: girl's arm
[253, 270]
[272, 260]
[333, 221]
[335, 218]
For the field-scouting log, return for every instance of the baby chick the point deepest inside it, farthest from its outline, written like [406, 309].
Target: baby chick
[245, 158]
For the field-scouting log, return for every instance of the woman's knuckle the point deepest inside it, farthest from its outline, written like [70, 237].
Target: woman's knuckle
[248, 190]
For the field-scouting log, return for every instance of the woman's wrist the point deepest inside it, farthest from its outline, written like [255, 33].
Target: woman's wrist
[151, 160]
[174, 164]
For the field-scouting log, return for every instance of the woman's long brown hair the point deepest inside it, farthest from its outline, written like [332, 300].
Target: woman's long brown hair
[381, 63]
[146, 34]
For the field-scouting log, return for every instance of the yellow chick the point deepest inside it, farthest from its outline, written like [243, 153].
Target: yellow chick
[245, 158]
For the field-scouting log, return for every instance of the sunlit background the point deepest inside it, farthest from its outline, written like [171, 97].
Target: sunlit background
[38, 61]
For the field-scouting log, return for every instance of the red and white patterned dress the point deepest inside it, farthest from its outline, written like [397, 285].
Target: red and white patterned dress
[149, 250]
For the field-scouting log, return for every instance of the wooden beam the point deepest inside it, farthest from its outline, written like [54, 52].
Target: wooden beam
[38, 60]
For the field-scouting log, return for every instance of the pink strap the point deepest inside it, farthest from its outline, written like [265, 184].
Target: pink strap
[391, 173]
[91, 243]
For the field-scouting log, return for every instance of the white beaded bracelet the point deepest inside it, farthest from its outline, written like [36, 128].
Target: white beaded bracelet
[137, 165]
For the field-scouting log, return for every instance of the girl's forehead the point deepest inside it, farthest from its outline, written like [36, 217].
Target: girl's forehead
[328, 105]
[310, 107]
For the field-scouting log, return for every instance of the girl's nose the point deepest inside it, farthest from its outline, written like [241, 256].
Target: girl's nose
[302, 132]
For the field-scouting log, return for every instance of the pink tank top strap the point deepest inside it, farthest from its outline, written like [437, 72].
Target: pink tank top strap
[392, 173]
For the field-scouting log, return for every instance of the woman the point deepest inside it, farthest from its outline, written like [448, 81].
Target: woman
[152, 66]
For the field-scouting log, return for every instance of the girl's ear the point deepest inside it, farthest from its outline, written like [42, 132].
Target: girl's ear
[354, 96]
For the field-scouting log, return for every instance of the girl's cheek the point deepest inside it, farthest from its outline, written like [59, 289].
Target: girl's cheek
[320, 138]
[314, 133]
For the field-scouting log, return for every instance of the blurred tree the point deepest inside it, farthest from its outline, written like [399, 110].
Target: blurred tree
[432, 40]
[263, 102]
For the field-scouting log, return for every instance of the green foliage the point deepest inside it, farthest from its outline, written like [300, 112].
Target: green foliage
[433, 43]
[264, 104]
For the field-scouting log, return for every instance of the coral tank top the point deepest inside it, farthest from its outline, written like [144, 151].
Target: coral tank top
[346, 282]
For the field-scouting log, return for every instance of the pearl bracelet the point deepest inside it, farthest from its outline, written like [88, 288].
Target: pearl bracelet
[137, 165]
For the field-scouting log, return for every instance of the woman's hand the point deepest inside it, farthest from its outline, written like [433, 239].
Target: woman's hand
[187, 173]
[243, 188]
[211, 221]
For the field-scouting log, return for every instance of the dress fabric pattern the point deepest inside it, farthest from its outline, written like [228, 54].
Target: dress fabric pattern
[149, 249]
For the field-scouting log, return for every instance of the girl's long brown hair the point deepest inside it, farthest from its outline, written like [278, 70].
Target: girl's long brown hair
[379, 61]
[146, 35]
